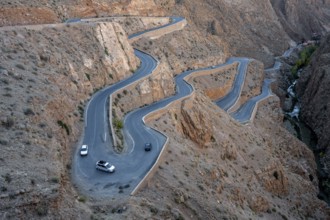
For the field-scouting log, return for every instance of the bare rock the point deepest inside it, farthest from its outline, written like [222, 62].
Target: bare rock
[274, 179]
[258, 204]
[195, 122]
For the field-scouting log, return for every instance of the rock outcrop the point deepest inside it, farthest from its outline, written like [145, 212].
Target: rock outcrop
[195, 124]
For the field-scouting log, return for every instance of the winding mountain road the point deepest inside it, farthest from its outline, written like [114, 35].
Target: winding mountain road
[129, 167]
[96, 135]
[135, 163]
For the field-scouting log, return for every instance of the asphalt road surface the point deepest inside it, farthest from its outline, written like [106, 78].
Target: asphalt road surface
[173, 21]
[231, 98]
[244, 113]
[96, 136]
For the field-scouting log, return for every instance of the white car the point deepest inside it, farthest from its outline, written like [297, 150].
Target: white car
[84, 150]
[105, 166]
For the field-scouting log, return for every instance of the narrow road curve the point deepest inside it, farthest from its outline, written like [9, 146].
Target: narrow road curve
[232, 97]
[173, 21]
[245, 112]
[96, 136]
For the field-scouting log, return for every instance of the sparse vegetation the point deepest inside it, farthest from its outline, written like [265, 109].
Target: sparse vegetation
[153, 210]
[211, 28]
[64, 126]
[88, 76]
[7, 178]
[179, 2]
[304, 59]
[20, 66]
[81, 111]
[55, 179]
[29, 111]
[42, 209]
[106, 51]
[3, 189]
[8, 122]
[118, 124]
[82, 199]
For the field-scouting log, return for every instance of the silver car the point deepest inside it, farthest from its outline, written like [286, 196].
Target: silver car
[105, 166]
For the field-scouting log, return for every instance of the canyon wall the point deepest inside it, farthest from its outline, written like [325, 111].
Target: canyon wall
[301, 18]
[313, 88]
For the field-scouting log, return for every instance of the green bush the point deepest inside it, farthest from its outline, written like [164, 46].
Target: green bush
[304, 59]
[82, 199]
[118, 123]
[64, 126]
[88, 76]
[55, 179]
[106, 51]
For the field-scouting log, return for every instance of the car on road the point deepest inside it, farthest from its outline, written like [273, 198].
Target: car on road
[147, 147]
[105, 166]
[84, 150]
[213, 67]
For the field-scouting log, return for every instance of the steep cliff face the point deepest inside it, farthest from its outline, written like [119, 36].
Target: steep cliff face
[46, 78]
[313, 88]
[301, 18]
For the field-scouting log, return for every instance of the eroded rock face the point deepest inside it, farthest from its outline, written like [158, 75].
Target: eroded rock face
[298, 17]
[259, 204]
[195, 124]
[274, 179]
[119, 58]
[313, 88]
[314, 92]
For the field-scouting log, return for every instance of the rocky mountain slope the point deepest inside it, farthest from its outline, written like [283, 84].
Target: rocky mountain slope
[48, 74]
[298, 17]
[314, 92]
[313, 88]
